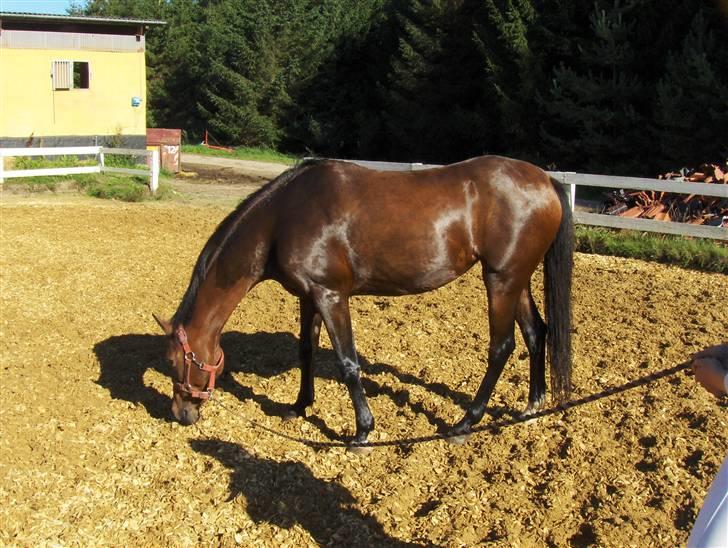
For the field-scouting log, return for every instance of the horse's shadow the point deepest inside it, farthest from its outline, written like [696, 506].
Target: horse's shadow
[287, 493]
[124, 359]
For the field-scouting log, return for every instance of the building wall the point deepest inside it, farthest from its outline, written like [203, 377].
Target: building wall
[30, 106]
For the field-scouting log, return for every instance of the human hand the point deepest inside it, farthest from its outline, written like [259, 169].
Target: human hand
[717, 352]
[711, 369]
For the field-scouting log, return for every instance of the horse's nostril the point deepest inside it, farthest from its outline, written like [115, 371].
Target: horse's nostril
[187, 416]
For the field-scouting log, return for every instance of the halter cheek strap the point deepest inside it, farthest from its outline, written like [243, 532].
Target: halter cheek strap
[191, 359]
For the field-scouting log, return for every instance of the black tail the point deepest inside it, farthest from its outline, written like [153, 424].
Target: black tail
[558, 265]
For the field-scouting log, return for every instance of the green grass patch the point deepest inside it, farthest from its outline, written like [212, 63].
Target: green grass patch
[699, 254]
[99, 185]
[122, 188]
[244, 153]
[38, 162]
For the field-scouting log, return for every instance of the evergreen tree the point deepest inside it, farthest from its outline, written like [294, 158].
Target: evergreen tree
[335, 107]
[433, 96]
[692, 99]
[597, 109]
[512, 72]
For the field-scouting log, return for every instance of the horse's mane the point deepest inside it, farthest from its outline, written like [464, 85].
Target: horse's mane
[222, 233]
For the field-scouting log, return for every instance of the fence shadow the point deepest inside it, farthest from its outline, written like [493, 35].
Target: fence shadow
[287, 493]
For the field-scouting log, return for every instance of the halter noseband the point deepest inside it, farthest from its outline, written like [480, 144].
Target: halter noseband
[191, 359]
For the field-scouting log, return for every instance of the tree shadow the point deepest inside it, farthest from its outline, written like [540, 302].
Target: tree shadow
[287, 493]
[124, 359]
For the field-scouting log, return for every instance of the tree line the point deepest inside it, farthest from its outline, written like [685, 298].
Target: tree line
[610, 86]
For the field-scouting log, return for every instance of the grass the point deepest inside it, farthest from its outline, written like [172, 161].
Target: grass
[99, 185]
[243, 153]
[122, 188]
[699, 254]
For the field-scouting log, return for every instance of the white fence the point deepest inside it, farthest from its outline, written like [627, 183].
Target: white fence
[100, 152]
[573, 180]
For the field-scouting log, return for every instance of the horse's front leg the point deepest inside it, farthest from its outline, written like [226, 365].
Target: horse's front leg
[307, 346]
[334, 308]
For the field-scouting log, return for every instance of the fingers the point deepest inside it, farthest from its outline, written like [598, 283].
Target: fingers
[711, 375]
[718, 352]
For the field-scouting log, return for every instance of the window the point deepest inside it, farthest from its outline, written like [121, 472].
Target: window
[80, 75]
[70, 75]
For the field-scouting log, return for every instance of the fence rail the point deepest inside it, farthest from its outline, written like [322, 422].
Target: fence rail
[100, 152]
[572, 180]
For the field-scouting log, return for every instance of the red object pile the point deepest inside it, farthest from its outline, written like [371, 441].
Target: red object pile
[666, 206]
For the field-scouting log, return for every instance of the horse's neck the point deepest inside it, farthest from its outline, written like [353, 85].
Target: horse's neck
[239, 266]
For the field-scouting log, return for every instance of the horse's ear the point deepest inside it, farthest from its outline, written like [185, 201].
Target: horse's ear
[164, 324]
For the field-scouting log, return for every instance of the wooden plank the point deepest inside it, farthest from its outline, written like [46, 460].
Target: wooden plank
[50, 171]
[127, 151]
[127, 171]
[391, 166]
[647, 225]
[163, 136]
[639, 183]
[48, 151]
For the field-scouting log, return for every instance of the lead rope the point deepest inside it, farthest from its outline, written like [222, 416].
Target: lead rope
[492, 427]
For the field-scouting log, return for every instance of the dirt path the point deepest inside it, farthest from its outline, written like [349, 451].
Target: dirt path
[209, 180]
[88, 455]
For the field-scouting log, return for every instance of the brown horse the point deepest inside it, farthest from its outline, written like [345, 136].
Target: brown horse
[326, 230]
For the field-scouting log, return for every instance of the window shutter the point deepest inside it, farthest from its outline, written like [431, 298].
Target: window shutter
[62, 75]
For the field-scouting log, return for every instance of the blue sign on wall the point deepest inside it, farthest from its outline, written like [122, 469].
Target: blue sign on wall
[136, 101]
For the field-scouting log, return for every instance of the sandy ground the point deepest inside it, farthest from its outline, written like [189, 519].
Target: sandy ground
[88, 455]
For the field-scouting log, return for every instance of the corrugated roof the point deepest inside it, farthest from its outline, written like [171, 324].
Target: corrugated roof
[89, 19]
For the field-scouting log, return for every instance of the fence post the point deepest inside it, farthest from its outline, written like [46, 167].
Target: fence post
[101, 159]
[570, 189]
[572, 196]
[154, 175]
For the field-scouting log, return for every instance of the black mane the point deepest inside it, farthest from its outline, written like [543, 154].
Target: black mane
[222, 233]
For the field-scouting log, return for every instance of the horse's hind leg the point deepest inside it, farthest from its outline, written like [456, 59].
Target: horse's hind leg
[334, 308]
[502, 302]
[308, 344]
[533, 329]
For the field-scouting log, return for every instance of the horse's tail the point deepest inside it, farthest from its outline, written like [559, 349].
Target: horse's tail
[558, 265]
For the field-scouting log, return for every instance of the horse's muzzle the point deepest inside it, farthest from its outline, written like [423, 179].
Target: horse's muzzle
[185, 412]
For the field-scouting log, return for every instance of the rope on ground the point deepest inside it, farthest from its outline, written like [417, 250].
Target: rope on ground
[492, 427]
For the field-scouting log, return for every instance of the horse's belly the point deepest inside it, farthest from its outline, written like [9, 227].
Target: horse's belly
[394, 281]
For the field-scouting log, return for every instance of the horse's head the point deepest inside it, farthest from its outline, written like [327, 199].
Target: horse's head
[193, 380]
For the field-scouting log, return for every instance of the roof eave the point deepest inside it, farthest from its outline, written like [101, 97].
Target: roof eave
[19, 16]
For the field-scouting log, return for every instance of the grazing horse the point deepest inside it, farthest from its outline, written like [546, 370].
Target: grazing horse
[327, 230]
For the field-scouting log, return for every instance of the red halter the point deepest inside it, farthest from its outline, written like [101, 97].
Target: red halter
[190, 359]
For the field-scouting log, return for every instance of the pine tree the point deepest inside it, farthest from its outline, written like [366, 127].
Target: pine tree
[692, 99]
[433, 95]
[332, 102]
[597, 109]
[511, 69]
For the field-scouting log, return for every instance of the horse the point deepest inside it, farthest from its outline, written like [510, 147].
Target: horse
[328, 229]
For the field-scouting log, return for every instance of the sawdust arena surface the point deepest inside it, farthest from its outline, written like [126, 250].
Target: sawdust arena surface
[89, 456]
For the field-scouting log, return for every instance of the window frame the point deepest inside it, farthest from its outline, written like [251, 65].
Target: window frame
[63, 72]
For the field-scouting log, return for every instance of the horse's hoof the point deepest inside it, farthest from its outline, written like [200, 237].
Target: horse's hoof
[458, 439]
[533, 408]
[291, 414]
[360, 449]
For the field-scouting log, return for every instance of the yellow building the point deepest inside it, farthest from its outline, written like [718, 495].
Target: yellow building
[70, 81]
